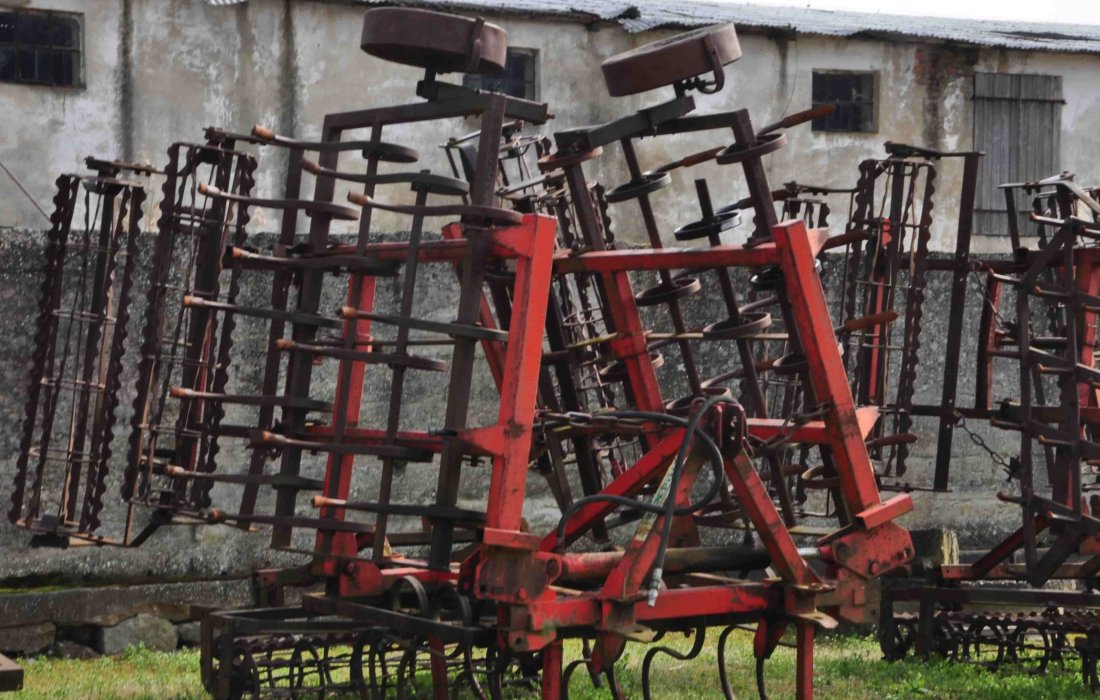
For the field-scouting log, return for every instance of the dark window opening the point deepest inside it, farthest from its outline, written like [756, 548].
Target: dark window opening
[518, 79]
[40, 48]
[853, 95]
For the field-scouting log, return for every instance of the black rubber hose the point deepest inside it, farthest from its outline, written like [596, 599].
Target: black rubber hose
[642, 505]
[670, 501]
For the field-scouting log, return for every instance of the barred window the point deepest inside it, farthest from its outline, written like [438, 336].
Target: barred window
[40, 48]
[853, 95]
[518, 79]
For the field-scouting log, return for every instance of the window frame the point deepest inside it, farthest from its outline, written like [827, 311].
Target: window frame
[477, 80]
[818, 125]
[76, 50]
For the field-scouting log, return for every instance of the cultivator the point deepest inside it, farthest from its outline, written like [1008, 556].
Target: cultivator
[1037, 326]
[714, 440]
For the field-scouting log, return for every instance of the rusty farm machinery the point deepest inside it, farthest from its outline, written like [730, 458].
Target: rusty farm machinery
[716, 432]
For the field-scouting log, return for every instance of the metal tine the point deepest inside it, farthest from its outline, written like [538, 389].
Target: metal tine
[397, 359]
[275, 480]
[262, 312]
[267, 438]
[83, 316]
[253, 399]
[173, 430]
[184, 361]
[386, 508]
[311, 207]
[378, 150]
[455, 330]
[382, 342]
[351, 263]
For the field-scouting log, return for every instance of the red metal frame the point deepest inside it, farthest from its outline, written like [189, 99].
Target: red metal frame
[518, 571]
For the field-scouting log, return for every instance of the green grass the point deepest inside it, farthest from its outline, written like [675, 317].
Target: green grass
[138, 673]
[847, 667]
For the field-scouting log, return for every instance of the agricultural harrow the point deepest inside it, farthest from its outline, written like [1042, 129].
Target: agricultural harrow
[1036, 331]
[715, 432]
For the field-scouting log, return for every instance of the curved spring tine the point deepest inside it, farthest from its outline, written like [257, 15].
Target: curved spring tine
[406, 670]
[379, 651]
[761, 683]
[647, 662]
[1021, 646]
[495, 668]
[297, 671]
[249, 665]
[355, 667]
[613, 685]
[567, 674]
[723, 675]
[596, 678]
[468, 675]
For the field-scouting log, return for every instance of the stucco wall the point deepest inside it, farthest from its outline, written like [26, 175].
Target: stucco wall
[161, 70]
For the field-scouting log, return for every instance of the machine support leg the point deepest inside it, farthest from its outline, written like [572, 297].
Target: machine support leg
[804, 674]
[551, 671]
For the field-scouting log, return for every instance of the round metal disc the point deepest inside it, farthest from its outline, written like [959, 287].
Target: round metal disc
[434, 40]
[670, 60]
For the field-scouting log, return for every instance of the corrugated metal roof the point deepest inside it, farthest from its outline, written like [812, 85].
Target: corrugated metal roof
[642, 15]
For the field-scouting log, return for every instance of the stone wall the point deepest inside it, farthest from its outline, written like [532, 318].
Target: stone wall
[182, 551]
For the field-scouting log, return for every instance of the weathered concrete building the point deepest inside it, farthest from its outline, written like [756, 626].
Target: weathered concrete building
[146, 72]
[124, 78]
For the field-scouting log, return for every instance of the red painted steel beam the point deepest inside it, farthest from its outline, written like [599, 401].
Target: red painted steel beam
[804, 663]
[649, 467]
[1002, 551]
[626, 579]
[827, 375]
[675, 604]
[766, 520]
[519, 389]
[812, 432]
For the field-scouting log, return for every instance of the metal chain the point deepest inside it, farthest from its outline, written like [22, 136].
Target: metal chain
[998, 459]
[980, 289]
